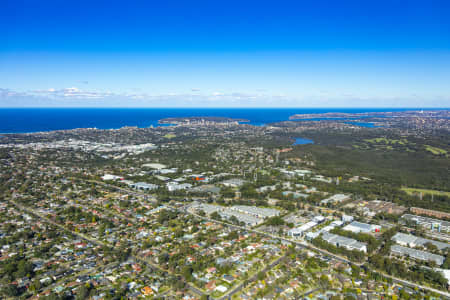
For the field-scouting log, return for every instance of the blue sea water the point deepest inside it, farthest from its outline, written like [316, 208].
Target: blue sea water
[20, 120]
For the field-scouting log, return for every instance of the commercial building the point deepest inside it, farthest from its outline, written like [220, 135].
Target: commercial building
[347, 218]
[175, 186]
[111, 177]
[247, 219]
[417, 254]
[206, 189]
[378, 206]
[429, 212]
[234, 182]
[300, 231]
[267, 188]
[227, 213]
[414, 241]
[162, 178]
[335, 198]
[166, 171]
[144, 186]
[341, 241]
[295, 195]
[256, 211]
[319, 219]
[429, 223]
[322, 178]
[207, 208]
[293, 173]
[155, 166]
[358, 227]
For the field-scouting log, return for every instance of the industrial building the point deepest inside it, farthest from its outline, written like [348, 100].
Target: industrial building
[414, 241]
[155, 166]
[300, 231]
[417, 254]
[335, 198]
[144, 186]
[295, 195]
[347, 218]
[358, 227]
[207, 208]
[175, 186]
[249, 220]
[256, 211]
[228, 212]
[206, 189]
[111, 177]
[234, 182]
[341, 241]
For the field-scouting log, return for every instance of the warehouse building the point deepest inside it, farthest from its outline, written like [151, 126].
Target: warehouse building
[111, 177]
[175, 186]
[300, 231]
[341, 241]
[227, 213]
[414, 241]
[358, 227]
[249, 220]
[234, 182]
[144, 186]
[335, 198]
[417, 254]
[259, 212]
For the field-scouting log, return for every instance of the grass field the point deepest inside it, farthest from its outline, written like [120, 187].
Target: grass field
[412, 191]
[383, 140]
[170, 136]
[435, 150]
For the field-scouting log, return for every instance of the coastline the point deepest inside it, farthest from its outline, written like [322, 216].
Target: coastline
[39, 120]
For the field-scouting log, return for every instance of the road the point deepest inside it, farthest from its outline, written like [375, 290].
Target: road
[251, 279]
[302, 244]
[308, 293]
[100, 243]
[71, 277]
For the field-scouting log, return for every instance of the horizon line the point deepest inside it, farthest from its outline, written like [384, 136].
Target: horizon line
[220, 107]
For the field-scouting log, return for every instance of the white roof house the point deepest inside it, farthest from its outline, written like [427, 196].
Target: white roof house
[221, 288]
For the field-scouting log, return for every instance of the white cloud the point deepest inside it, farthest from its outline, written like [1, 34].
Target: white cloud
[71, 90]
[75, 97]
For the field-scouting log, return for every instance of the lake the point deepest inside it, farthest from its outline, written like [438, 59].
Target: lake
[302, 141]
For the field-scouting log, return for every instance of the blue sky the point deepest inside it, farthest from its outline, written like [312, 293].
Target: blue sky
[225, 53]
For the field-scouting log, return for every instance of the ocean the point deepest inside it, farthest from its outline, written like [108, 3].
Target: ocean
[25, 120]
